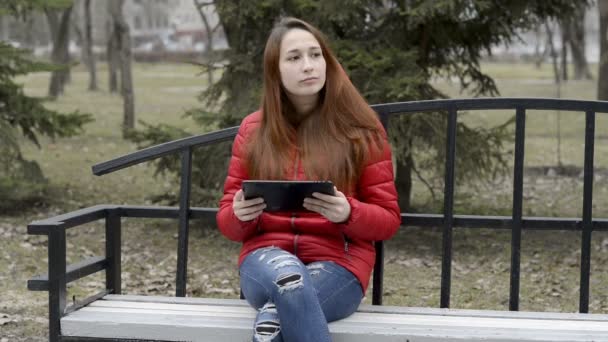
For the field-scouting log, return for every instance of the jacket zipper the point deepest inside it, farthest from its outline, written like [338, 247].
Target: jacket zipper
[345, 243]
[295, 244]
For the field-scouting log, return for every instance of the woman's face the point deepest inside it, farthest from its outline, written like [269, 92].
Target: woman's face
[301, 64]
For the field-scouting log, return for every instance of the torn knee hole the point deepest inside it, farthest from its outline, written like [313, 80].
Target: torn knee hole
[289, 281]
[315, 268]
[281, 257]
[268, 328]
[269, 307]
[285, 263]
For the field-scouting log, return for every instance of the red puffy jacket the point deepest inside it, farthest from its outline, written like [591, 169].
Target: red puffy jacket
[374, 215]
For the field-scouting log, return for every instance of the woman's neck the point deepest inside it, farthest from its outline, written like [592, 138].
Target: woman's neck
[304, 105]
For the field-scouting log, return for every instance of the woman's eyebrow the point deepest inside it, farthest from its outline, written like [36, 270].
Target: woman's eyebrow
[310, 48]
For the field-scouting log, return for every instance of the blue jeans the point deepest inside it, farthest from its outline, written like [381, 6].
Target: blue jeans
[296, 301]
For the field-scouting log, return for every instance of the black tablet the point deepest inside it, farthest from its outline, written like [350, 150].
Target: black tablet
[285, 195]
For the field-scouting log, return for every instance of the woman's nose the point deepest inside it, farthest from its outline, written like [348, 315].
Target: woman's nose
[307, 64]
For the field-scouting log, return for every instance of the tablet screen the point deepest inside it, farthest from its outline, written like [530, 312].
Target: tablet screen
[285, 195]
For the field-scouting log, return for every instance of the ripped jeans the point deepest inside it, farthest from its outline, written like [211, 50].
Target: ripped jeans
[296, 301]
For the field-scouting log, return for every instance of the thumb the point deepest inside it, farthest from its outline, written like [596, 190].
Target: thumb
[239, 195]
[338, 193]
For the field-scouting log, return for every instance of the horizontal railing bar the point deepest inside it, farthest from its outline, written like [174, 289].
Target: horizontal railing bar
[384, 110]
[492, 103]
[68, 220]
[38, 283]
[424, 220]
[165, 212]
[148, 212]
[73, 272]
[158, 151]
[502, 222]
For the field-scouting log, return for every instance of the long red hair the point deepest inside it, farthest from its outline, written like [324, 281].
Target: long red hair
[333, 142]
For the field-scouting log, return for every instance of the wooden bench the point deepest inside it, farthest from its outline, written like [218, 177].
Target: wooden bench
[111, 316]
[204, 319]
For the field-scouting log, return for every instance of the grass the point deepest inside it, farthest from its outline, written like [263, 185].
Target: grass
[162, 94]
[480, 276]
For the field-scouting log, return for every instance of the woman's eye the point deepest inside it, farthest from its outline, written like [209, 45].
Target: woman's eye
[316, 54]
[293, 58]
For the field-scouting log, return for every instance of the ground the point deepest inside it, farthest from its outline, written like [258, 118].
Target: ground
[480, 276]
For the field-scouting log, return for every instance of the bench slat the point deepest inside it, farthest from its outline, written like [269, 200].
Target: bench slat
[192, 319]
[366, 308]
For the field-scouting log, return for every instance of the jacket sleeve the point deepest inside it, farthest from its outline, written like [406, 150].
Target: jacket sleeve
[375, 212]
[230, 225]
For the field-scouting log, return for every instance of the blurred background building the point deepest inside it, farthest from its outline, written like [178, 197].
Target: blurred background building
[162, 29]
[158, 28]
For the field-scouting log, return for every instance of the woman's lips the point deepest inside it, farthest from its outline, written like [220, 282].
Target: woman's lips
[309, 80]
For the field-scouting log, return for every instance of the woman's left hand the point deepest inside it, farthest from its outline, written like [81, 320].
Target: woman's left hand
[335, 208]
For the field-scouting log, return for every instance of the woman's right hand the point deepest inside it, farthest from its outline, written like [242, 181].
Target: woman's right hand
[247, 210]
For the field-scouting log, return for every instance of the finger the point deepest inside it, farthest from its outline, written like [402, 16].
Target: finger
[239, 195]
[253, 201]
[250, 216]
[252, 209]
[318, 202]
[340, 194]
[248, 203]
[325, 197]
[318, 209]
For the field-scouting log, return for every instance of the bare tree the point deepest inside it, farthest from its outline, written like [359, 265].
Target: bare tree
[557, 89]
[565, 36]
[602, 80]
[121, 31]
[88, 46]
[4, 27]
[209, 60]
[539, 55]
[112, 46]
[576, 40]
[59, 24]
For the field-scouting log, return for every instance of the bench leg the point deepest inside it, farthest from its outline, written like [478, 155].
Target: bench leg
[57, 282]
[113, 255]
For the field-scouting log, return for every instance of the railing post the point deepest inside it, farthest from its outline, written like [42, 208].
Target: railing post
[448, 209]
[378, 280]
[518, 181]
[113, 253]
[378, 274]
[184, 221]
[587, 212]
[57, 281]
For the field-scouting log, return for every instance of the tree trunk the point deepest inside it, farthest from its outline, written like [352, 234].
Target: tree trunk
[113, 62]
[29, 39]
[112, 47]
[4, 28]
[209, 45]
[126, 80]
[403, 183]
[538, 56]
[121, 30]
[602, 80]
[565, 36]
[88, 46]
[60, 33]
[553, 54]
[577, 46]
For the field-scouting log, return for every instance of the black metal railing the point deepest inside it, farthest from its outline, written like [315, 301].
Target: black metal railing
[60, 274]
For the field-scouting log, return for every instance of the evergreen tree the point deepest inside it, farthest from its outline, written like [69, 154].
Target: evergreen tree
[391, 50]
[22, 180]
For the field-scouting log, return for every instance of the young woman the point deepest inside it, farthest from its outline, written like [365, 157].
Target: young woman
[304, 269]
